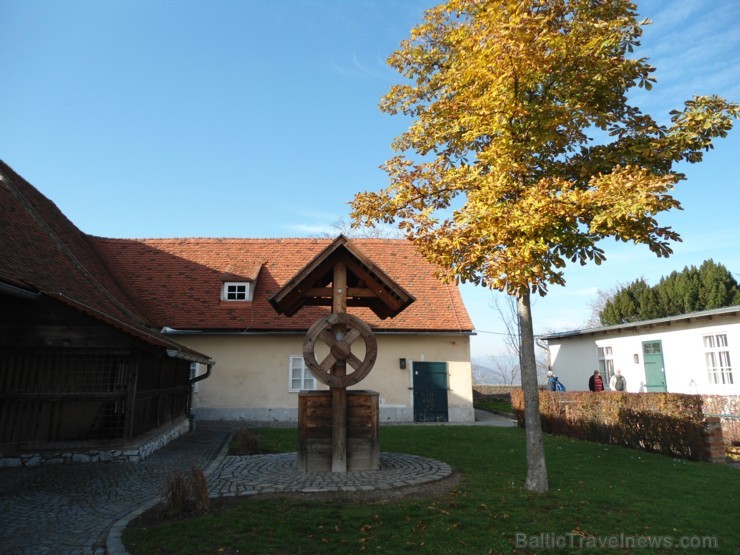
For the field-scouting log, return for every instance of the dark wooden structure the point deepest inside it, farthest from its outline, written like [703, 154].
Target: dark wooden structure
[80, 368]
[70, 382]
[314, 432]
[339, 277]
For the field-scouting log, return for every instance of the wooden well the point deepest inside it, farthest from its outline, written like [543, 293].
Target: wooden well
[338, 429]
[315, 431]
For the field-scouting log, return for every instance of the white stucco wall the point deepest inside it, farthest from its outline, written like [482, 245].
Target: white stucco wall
[574, 359]
[250, 380]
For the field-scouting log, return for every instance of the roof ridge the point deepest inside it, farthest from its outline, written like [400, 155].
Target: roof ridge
[249, 239]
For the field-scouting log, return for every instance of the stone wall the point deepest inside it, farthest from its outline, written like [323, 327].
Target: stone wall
[136, 452]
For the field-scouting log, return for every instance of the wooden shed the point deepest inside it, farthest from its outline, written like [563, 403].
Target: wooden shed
[80, 371]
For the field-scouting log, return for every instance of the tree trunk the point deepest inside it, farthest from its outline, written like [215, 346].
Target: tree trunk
[536, 467]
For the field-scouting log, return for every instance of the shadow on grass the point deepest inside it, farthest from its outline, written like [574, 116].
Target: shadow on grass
[597, 493]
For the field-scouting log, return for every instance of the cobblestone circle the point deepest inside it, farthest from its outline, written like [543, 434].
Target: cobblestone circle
[278, 473]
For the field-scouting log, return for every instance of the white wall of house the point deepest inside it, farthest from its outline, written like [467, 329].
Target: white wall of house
[251, 378]
[575, 358]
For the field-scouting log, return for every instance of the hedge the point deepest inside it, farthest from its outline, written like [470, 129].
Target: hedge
[668, 423]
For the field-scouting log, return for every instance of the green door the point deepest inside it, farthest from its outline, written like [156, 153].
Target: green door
[652, 357]
[430, 391]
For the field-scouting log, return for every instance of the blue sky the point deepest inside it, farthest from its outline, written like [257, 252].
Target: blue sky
[241, 118]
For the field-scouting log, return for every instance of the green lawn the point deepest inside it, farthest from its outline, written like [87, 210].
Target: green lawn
[493, 406]
[599, 495]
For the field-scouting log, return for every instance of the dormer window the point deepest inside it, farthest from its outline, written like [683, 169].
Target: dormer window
[236, 291]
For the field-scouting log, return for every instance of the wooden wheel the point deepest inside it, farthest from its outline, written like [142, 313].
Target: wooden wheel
[340, 349]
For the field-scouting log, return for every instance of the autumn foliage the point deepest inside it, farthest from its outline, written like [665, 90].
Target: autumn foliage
[524, 152]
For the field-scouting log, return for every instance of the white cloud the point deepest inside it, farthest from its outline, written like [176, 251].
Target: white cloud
[310, 229]
[357, 69]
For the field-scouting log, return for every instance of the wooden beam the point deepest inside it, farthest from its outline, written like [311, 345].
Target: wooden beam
[320, 292]
[379, 291]
[364, 292]
[360, 292]
[339, 429]
[339, 394]
[340, 289]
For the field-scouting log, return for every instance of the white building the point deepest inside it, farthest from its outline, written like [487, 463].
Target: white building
[691, 353]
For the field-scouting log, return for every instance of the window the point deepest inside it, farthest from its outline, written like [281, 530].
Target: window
[236, 291]
[717, 355]
[652, 348]
[301, 378]
[606, 363]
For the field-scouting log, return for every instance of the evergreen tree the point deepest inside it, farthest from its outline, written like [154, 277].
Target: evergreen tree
[625, 304]
[717, 287]
[691, 290]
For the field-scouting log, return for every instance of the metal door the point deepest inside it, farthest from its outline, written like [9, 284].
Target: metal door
[652, 357]
[430, 391]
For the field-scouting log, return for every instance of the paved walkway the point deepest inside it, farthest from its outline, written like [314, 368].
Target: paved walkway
[55, 509]
[82, 508]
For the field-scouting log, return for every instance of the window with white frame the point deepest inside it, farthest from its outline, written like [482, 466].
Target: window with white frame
[236, 291]
[606, 363]
[301, 378]
[717, 355]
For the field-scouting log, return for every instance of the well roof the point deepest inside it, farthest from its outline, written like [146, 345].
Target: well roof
[367, 284]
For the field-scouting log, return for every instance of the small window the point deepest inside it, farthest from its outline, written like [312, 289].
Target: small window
[717, 356]
[236, 291]
[301, 378]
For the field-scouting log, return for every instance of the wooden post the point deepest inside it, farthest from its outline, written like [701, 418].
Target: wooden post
[131, 385]
[339, 394]
[339, 294]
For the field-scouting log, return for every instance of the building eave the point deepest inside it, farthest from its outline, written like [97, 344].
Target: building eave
[645, 324]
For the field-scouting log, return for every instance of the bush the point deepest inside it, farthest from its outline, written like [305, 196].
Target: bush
[667, 423]
[185, 492]
[245, 442]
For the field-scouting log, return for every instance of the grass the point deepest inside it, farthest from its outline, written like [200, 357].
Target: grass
[597, 494]
[493, 406]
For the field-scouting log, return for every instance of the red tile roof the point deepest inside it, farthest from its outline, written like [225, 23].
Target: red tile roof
[43, 252]
[177, 283]
[140, 285]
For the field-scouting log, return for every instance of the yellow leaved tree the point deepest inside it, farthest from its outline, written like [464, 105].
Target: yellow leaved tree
[523, 151]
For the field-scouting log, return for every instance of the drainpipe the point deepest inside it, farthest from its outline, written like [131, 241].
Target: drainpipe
[203, 376]
[545, 348]
[210, 363]
[191, 416]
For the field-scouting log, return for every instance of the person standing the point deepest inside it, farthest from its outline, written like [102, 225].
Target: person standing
[595, 382]
[618, 383]
[553, 384]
